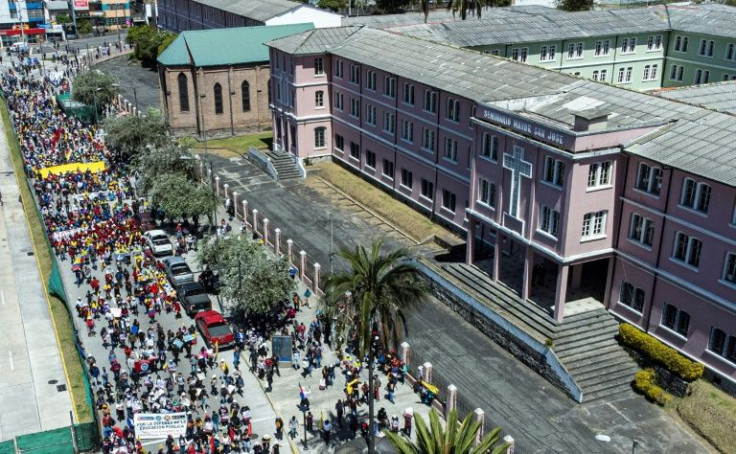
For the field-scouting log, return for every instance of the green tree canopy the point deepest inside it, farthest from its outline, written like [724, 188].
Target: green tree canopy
[179, 196]
[392, 6]
[454, 439]
[148, 42]
[84, 26]
[253, 281]
[129, 134]
[168, 158]
[63, 19]
[94, 87]
[575, 5]
[333, 5]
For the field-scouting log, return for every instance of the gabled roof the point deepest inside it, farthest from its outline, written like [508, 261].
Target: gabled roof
[316, 41]
[707, 19]
[225, 46]
[719, 96]
[260, 10]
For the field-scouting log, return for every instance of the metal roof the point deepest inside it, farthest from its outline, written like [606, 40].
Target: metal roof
[708, 19]
[260, 10]
[316, 41]
[719, 96]
[225, 46]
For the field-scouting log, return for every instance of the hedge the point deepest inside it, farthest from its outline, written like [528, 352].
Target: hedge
[657, 351]
[645, 382]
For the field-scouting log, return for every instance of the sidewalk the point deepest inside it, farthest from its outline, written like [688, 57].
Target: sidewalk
[31, 371]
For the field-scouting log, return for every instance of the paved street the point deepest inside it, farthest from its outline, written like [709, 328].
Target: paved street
[131, 75]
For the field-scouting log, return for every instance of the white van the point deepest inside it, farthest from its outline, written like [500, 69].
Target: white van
[18, 47]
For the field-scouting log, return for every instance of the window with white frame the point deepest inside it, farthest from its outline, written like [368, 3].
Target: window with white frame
[339, 142]
[650, 72]
[549, 220]
[453, 109]
[427, 189]
[389, 86]
[355, 150]
[320, 140]
[407, 131]
[624, 74]
[547, 53]
[729, 269]
[695, 195]
[575, 51]
[649, 179]
[408, 93]
[628, 45]
[354, 73]
[520, 54]
[722, 344]
[339, 68]
[675, 319]
[654, 42]
[631, 296]
[554, 171]
[486, 192]
[319, 68]
[641, 230]
[730, 51]
[448, 200]
[602, 48]
[319, 98]
[370, 80]
[677, 72]
[594, 224]
[687, 249]
[450, 149]
[428, 139]
[407, 178]
[355, 107]
[370, 115]
[388, 168]
[389, 123]
[339, 101]
[370, 158]
[430, 101]
[599, 174]
[702, 76]
[489, 146]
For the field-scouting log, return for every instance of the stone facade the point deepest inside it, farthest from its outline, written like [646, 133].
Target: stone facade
[231, 116]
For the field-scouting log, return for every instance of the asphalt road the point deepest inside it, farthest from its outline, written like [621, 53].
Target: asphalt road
[130, 75]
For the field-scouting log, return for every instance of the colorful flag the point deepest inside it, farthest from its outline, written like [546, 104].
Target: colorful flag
[302, 395]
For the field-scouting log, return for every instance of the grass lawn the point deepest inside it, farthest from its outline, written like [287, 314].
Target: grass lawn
[711, 413]
[59, 314]
[410, 221]
[230, 147]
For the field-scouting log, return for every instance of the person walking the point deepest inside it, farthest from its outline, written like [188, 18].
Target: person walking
[293, 427]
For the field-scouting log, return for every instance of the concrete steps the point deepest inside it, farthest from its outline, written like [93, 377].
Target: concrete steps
[285, 167]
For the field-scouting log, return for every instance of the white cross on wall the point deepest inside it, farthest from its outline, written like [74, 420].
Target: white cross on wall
[519, 168]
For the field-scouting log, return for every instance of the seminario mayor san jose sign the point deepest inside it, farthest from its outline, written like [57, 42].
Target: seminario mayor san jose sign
[528, 128]
[159, 425]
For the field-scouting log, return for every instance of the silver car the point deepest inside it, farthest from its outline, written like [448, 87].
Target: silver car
[177, 271]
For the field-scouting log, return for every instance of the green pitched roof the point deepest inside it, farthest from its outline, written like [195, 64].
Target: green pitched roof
[225, 46]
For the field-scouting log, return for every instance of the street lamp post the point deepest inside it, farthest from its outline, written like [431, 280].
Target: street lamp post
[94, 98]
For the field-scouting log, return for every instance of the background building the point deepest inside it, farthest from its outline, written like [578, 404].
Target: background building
[15, 15]
[207, 83]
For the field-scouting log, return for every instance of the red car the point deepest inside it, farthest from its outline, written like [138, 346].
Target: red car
[214, 328]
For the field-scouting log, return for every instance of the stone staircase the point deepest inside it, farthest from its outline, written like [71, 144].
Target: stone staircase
[584, 343]
[285, 167]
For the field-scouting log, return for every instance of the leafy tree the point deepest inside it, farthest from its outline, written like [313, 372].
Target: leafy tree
[169, 158]
[147, 42]
[129, 134]
[63, 19]
[84, 26]
[392, 6]
[251, 279]
[453, 439]
[575, 5]
[179, 196]
[94, 87]
[382, 288]
[333, 5]
[474, 7]
[165, 41]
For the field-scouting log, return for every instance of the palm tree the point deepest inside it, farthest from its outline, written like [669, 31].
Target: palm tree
[452, 440]
[381, 289]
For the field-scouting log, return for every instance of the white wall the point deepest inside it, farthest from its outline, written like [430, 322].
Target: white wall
[304, 14]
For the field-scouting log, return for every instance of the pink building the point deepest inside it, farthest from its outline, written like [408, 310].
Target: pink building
[572, 192]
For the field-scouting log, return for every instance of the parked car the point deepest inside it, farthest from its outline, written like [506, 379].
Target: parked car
[18, 47]
[177, 270]
[194, 297]
[159, 243]
[215, 328]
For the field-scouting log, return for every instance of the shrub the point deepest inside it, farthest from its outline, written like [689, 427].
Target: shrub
[660, 353]
[645, 382]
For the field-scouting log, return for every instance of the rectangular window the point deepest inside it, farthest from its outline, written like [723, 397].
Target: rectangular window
[549, 220]
[574, 51]
[603, 76]
[450, 149]
[687, 249]
[631, 296]
[339, 67]
[319, 99]
[407, 131]
[427, 189]
[695, 195]
[388, 168]
[554, 171]
[408, 93]
[654, 42]
[430, 101]
[730, 51]
[370, 115]
[320, 140]
[319, 69]
[675, 320]
[370, 80]
[599, 174]
[355, 74]
[641, 230]
[339, 100]
[370, 158]
[453, 109]
[486, 192]
[448, 200]
[407, 178]
[594, 224]
[649, 179]
[729, 270]
[628, 45]
[489, 147]
[624, 75]
[602, 48]
[355, 150]
[701, 76]
[676, 72]
[389, 86]
[339, 142]
[677, 43]
[355, 107]
[722, 344]
[389, 123]
[547, 53]
[428, 139]
[595, 75]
